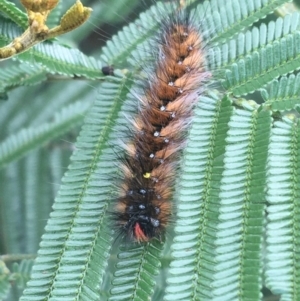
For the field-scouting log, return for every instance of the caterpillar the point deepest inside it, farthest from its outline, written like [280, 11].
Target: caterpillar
[144, 205]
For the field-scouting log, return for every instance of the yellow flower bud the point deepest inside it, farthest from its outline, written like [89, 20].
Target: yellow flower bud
[38, 6]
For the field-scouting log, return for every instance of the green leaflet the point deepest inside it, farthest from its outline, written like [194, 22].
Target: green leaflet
[14, 13]
[223, 20]
[255, 58]
[75, 246]
[283, 94]
[283, 195]
[63, 60]
[22, 272]
[8, 31]
[136, 268]
[41, 172]
[54, 57]
[27, 139]
[30, 185]
[227, 203]
[43, 104]
[21, 75]
[196, 209]
[219, 25]
[119, 48]
[242, 206]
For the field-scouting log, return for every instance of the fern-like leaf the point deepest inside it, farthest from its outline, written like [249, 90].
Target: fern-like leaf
[75, 247]
[54, 57]
[203, 166]
[221, 258]
[137, 266]
[22, 272]
[14, 13]
[223, 20]
[20, 75]
[260, 57]
[20, 143]
[283, 245]
[120, 47]
[283, 94]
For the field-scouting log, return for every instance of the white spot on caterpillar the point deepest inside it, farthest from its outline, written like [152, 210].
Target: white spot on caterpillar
[154, 222]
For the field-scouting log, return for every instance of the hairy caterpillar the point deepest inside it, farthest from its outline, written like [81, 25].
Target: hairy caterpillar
[144, 205]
